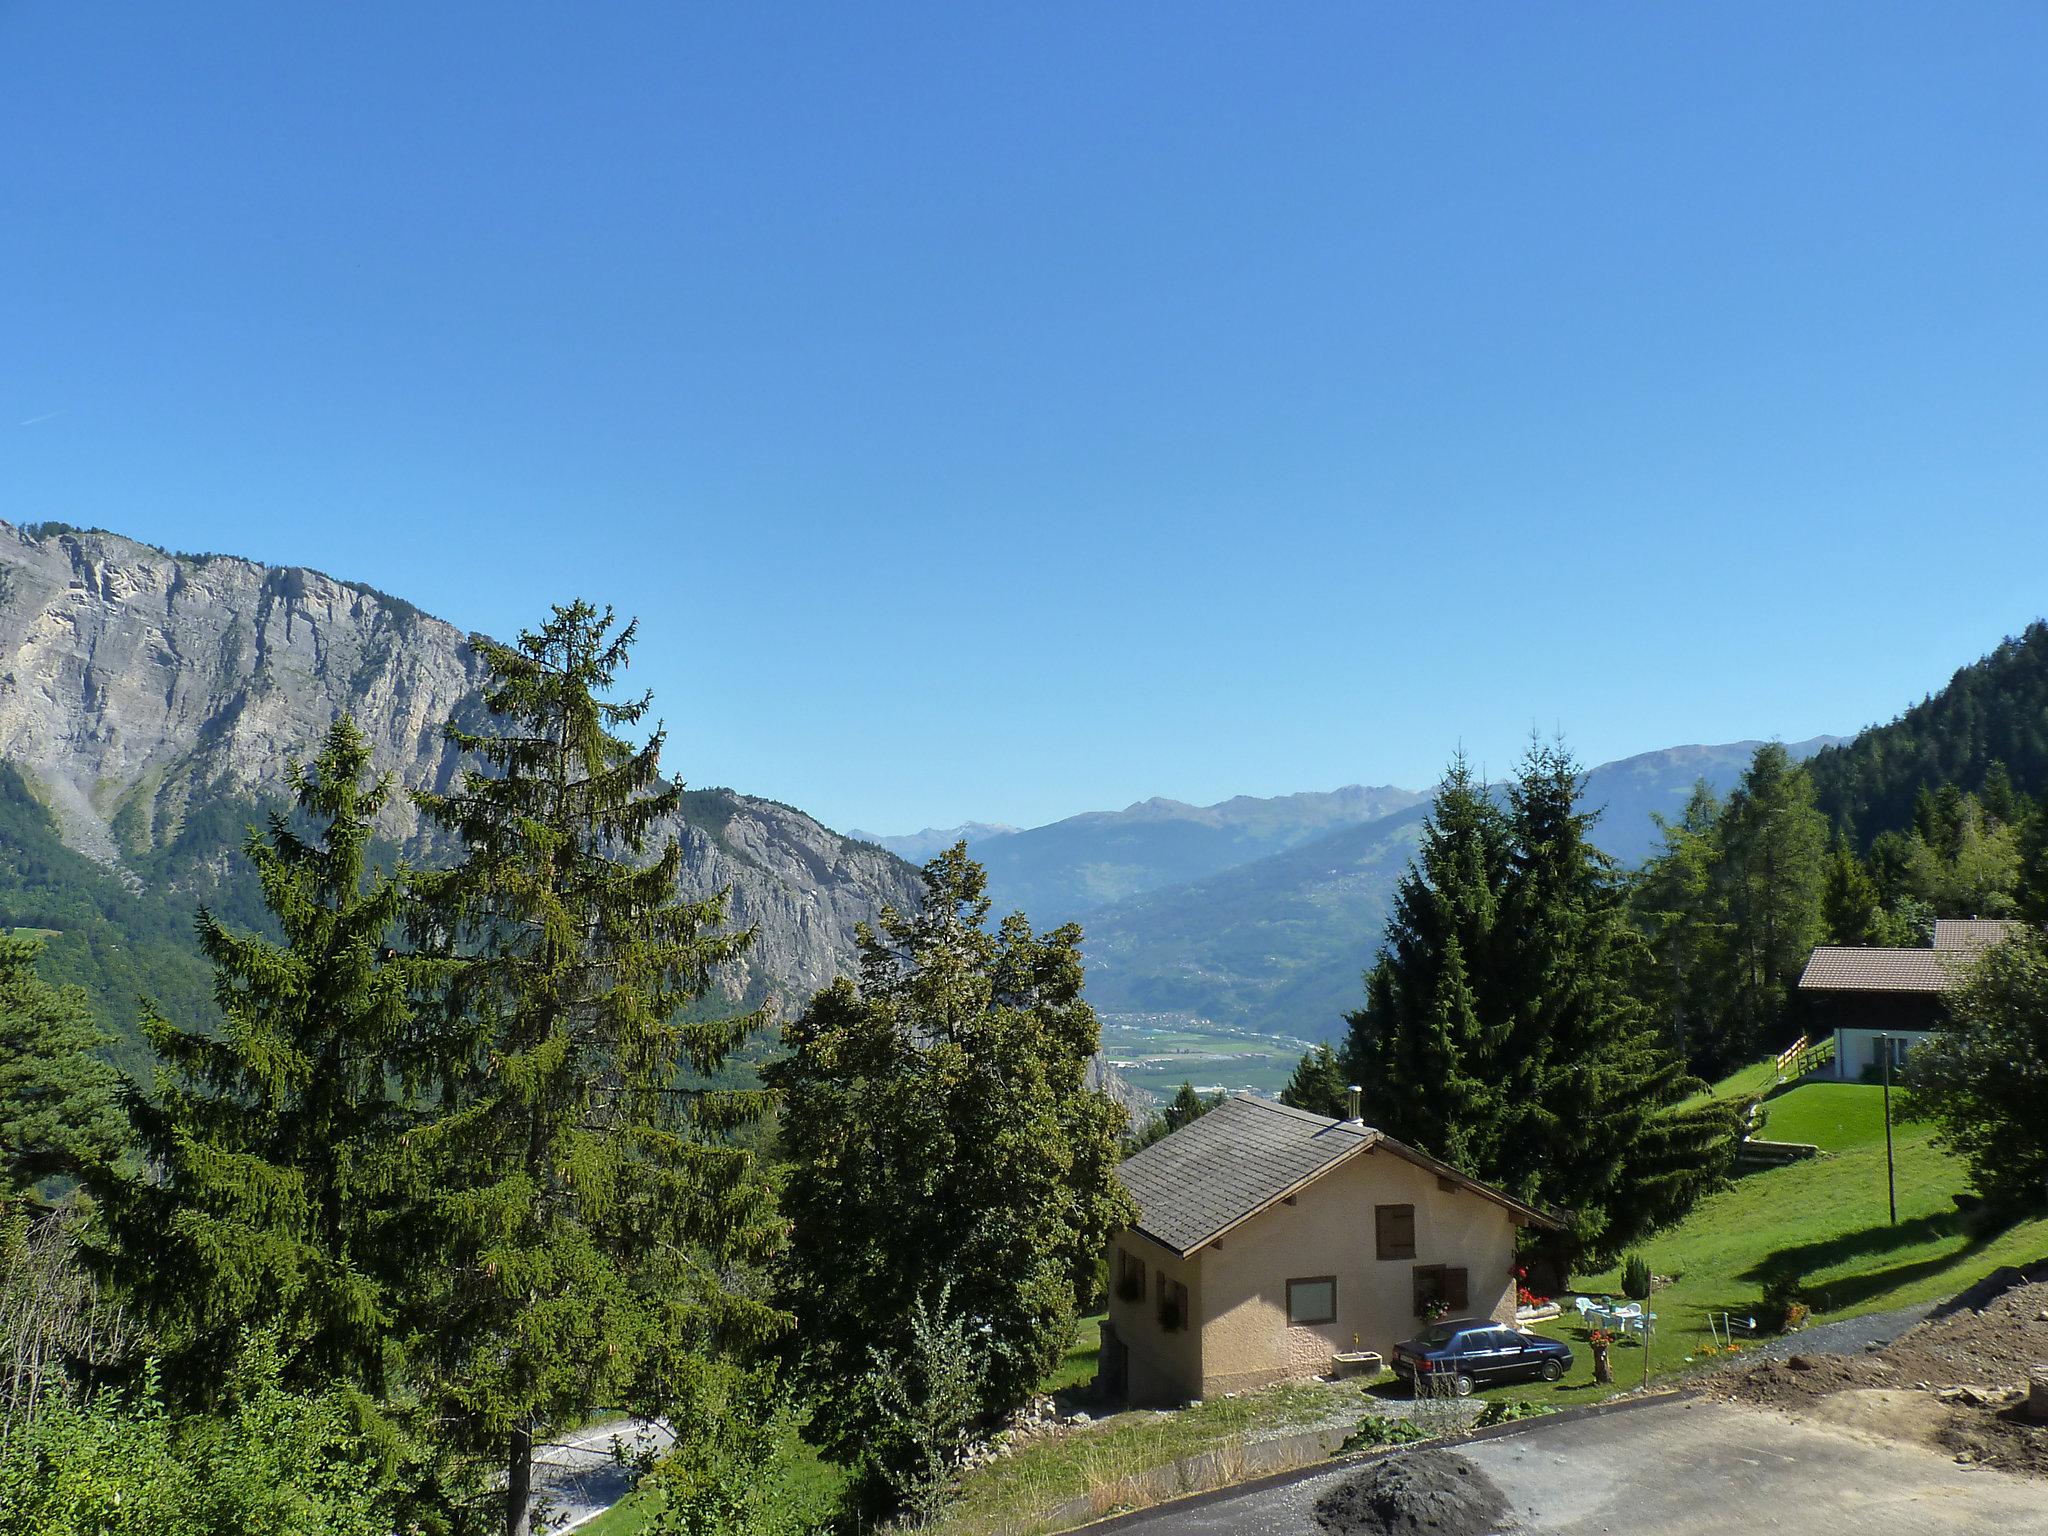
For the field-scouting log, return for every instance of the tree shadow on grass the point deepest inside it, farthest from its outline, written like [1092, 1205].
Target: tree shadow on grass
[1794, 1263]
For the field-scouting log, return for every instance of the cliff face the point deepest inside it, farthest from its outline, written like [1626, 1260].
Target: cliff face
[136, 687]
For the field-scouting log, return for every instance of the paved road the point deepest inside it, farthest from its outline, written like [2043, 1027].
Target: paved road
[1681, 1468]
[577, 1478]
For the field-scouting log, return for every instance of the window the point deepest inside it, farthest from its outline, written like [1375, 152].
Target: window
[1173, 1304]
[1311, 1301]
[1396, 1234]
[1130, 1276]
[1440, 1282]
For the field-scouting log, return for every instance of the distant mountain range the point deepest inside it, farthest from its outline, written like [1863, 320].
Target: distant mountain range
[1263, 914]
[918, 847]
[1067, 869]
[149, 703]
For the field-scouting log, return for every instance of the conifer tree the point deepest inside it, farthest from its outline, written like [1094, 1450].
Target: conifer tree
[1319, 1084]
[1426, 1048]
[60, 1103]
[1594, 1126]
[592, 1224]
[950, 1149]
[1501, 1031]
[1852, 908]
[1677, 904]
[268, 1141]
[1773, 845]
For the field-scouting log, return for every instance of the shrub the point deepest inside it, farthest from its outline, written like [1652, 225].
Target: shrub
[1375, 1430]
[1635, 1277]
[1785, 1305]
[1507, 1411]
[277, 1462]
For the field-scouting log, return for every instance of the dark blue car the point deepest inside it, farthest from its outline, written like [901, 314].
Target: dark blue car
[1477, 1351]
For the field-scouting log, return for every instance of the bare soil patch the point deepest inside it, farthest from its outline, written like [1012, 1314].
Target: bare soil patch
[1957, 1383]
[1424, 1493]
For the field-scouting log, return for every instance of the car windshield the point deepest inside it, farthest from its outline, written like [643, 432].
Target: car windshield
[1439, 1336]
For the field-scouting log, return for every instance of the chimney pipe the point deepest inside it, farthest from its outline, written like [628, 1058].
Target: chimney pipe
[1352, 1094]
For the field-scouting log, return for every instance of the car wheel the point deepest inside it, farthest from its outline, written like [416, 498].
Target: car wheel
[1464, 1385]
[1552, 1370]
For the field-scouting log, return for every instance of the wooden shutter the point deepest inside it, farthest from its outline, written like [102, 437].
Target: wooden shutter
[1395, 1231]
[1454, 1292]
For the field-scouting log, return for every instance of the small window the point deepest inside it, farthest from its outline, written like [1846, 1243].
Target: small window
[1440, 1282]
[1173, 1304]
[1311, 1301]
[1130, 1277]
[1396, 1234]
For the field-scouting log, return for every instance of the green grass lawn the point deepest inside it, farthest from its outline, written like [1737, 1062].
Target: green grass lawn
[1836, 1117]
[1823, 1221]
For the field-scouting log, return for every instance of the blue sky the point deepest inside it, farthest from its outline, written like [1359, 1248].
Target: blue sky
[1006, 412]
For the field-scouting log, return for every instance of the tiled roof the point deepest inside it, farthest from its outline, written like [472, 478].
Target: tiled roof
[1245, 1154]
[1973, 933]
[1838, 968]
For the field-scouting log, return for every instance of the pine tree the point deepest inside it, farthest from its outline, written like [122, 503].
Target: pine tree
[1319, 1084]
[60, 1104]
[268, 1142]
[948, 1135]
[1427, 1046]
[591, 1224]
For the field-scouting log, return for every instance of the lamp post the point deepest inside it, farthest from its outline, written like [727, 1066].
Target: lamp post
[1891, 1183]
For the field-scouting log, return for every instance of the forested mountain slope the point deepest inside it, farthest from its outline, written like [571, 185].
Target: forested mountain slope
[1992, 711]
[149, 704]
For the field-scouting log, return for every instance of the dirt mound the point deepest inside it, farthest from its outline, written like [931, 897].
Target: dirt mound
[1424, 1493]
[1973, 1365]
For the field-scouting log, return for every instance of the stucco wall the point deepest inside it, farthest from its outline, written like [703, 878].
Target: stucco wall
[1856, 1049]
[1330, 1230]
[1165, 1368]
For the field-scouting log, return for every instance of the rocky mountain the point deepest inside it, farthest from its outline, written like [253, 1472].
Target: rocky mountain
[1278, 945]
[1064, 870]
[149, 703]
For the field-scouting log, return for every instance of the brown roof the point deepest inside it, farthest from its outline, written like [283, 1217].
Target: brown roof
[1839, 968]
[1217, 1172]
[1973, 933]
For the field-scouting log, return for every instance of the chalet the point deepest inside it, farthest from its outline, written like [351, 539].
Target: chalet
[1879, 1001]
[1269, 1240]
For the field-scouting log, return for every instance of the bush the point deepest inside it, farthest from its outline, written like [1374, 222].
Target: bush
[277, 1462]
[1635, 1277]
[1376, 1430]
[1785, 1304]
[1507, 1411]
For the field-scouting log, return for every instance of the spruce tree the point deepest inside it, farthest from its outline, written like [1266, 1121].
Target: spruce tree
[60, 1103]
[1852, 908]
[1595, 1123]
[269, 1140]
[1502, 1032]
[1319, 1084]
[591, 1224]
[1426, 1048]
[949, 1151]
